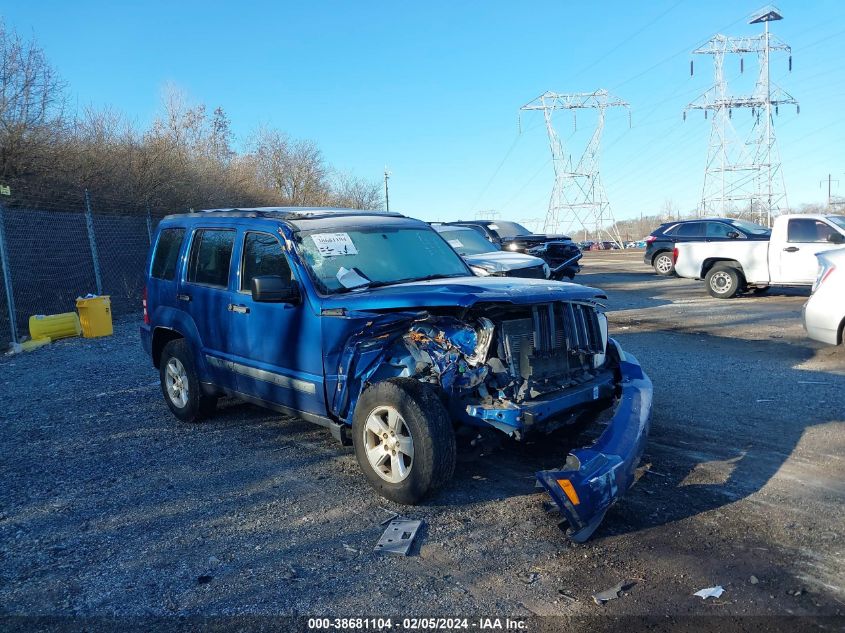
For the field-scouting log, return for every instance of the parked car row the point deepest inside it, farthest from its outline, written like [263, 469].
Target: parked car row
[660, 245]
[486, 258]
[787, 257]
[558, 251]
[373, 325]
[733, 256]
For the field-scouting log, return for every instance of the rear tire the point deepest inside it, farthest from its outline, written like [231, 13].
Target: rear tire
[393, 418]
[760, 290]
[180, 384]
[724, 282]
[663, 264]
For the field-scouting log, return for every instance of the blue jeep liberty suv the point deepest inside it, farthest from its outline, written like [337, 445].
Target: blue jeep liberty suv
[370, 324]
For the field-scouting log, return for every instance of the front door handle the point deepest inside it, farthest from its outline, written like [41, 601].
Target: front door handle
[183, 297]
[238, 309]
[791, 249]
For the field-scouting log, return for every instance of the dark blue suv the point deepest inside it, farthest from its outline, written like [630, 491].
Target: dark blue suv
[370, 324]
[661, 243]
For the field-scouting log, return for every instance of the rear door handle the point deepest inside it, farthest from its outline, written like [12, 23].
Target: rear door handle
[183, 297]
[238, 309]
[791, 249]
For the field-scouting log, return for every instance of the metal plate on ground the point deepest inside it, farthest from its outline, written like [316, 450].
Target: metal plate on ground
[398, 537]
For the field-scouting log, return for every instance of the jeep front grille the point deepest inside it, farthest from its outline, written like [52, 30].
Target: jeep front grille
[558, 340]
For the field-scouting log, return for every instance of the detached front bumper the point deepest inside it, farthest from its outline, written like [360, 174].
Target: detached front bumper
[595, 477]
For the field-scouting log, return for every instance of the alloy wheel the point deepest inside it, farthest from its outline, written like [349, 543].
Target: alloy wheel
[389, 445]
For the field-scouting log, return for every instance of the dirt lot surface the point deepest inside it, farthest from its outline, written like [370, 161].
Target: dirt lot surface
[109, 506]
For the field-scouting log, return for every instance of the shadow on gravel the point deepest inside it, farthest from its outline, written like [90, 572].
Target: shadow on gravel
[738, 427]
[723, 443]
[618, 289]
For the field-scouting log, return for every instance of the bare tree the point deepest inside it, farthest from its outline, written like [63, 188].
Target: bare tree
[186, 159]
[32, 101]
[670, 209]
[356, 193]
[294, 169]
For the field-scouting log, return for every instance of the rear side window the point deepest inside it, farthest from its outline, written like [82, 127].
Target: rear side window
[211, 254]
[693, 229]
[167, 254]
[263, 255]
[808, 230]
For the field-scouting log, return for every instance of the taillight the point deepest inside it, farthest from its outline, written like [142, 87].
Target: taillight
[675, 255]
[144, 303]
[650, 239]
[824, 273]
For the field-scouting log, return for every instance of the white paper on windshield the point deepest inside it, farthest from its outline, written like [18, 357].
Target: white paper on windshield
[334, 244]
[493, 227]
[350, 279]
[455, 243]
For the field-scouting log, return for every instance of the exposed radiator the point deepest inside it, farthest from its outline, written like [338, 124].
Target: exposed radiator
[556, 341]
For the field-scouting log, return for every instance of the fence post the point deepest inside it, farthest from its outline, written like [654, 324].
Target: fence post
[89, 221]
[149, 225]
[7, 276]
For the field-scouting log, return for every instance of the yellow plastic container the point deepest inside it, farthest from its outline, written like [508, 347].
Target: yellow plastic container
[54, 326]
[95, 316]
[34, 344]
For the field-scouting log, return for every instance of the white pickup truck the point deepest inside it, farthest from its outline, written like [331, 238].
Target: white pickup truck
[788, 258]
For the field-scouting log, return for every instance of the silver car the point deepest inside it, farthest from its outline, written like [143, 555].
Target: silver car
[485, 258]
[824, 313]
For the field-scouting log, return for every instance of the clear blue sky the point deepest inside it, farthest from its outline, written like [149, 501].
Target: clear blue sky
[432, 89]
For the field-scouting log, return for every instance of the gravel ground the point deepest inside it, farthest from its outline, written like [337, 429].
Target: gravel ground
[110, 507]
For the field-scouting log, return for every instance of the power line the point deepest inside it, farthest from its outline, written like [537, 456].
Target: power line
[496, 171]
[627, 40]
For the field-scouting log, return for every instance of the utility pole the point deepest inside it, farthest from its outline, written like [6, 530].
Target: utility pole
[386, 194]
[578, 197]
[830, 181]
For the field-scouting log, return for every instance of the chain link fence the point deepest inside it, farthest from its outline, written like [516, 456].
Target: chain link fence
[52, 252]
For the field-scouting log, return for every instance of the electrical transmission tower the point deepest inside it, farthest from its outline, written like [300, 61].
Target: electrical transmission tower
[743, 178]
[578, 198]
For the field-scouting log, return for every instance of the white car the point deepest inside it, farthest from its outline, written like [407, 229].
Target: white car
[824, 313]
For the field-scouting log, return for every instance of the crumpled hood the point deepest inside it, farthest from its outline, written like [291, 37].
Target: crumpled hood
[462, 292]
[501, 261]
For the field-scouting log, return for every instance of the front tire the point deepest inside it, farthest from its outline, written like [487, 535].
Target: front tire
[403, 438]
[724, 282]
[180, 384]
[663, 264]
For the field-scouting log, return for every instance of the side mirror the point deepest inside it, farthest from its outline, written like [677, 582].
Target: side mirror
[733, 235]
[274, 289]
[836, 238]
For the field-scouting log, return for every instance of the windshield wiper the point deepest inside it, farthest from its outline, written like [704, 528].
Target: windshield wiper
[426, 278]
[381, 284]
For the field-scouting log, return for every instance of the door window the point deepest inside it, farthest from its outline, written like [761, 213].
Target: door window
[693, 229]
[211, 255]
[808, 230]
[263, 255]
[719, 230]
[167, 252]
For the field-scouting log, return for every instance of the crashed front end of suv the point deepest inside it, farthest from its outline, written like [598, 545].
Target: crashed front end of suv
[525, 358]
